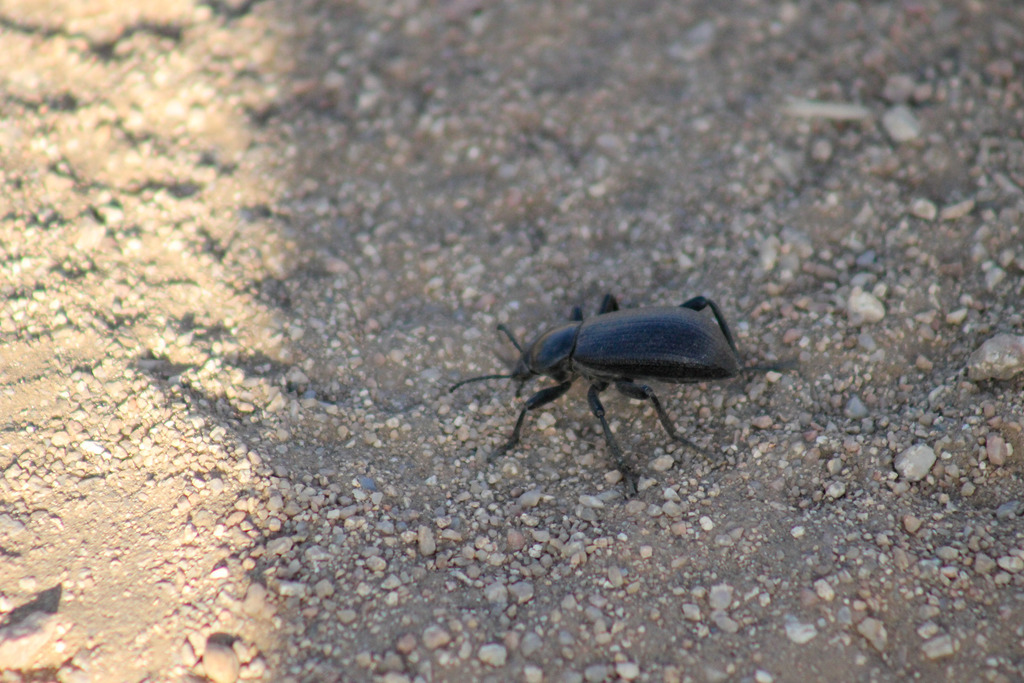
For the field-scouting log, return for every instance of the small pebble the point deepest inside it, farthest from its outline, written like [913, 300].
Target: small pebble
[720, 596]
[255, 670]
[533, 674]
[435, 637]
[983, 564]
[663, 463]
[958, 210]
[1001, 357]
[915, 462]
[530, 644]
[956, 317]
[522, 591]
[515, 539]
[530, 499]
[21, 641]
[938, 647]
[995, 449]
[1011, 563]
[493, 654]
[798, 632]
[255, 601]
[836, 490]
[280, 546]
[426, 542]
[874, 632]
[911, 523]
[627, 671]
[672, 509]
[994, 276]
[406, 644]
[220, 662]
[855, 409]
[725, 623]
[496, 593]
[863, 307]
[821, 150]
[291, 589]
[901, 125]
[924, 208]
[92, 447]
[1009, 509]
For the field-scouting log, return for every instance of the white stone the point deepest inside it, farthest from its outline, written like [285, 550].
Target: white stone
[864, 307]
[798, 632]
[901, 125]
[915, 462]
[493, 654]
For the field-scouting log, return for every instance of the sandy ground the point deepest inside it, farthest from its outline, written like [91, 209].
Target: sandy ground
[246, 247]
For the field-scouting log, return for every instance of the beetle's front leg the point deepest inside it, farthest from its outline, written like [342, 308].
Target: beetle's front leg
[643, 392]
[541, 398]
[620, 461]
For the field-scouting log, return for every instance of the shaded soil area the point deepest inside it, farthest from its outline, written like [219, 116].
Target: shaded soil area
[247, 247]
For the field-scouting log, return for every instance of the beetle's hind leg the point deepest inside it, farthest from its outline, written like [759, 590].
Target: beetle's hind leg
[620, 461]
[643, 392]
[699, 303]
[541, 398]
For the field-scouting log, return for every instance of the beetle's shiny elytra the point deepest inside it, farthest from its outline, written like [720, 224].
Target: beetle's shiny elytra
[626, 348]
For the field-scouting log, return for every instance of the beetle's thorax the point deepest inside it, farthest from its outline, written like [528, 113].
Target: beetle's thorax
[549, 354]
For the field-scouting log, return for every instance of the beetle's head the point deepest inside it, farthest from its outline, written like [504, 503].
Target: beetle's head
[521, 371]
[549, 354]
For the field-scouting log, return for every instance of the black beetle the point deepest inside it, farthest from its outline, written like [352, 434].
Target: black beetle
[626, 348]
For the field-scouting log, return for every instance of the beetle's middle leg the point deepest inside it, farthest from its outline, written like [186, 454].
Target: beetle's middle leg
[541, 398]
[643, 392]
[620, 461]
[608, 304]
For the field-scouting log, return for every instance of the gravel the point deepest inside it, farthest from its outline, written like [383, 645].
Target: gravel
[247, 248]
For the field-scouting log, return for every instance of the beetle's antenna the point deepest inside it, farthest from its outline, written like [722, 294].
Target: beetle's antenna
[508, 333]
[477, 379]
[511, 338]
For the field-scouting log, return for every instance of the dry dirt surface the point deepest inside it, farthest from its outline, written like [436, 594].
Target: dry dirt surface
[247, 246]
